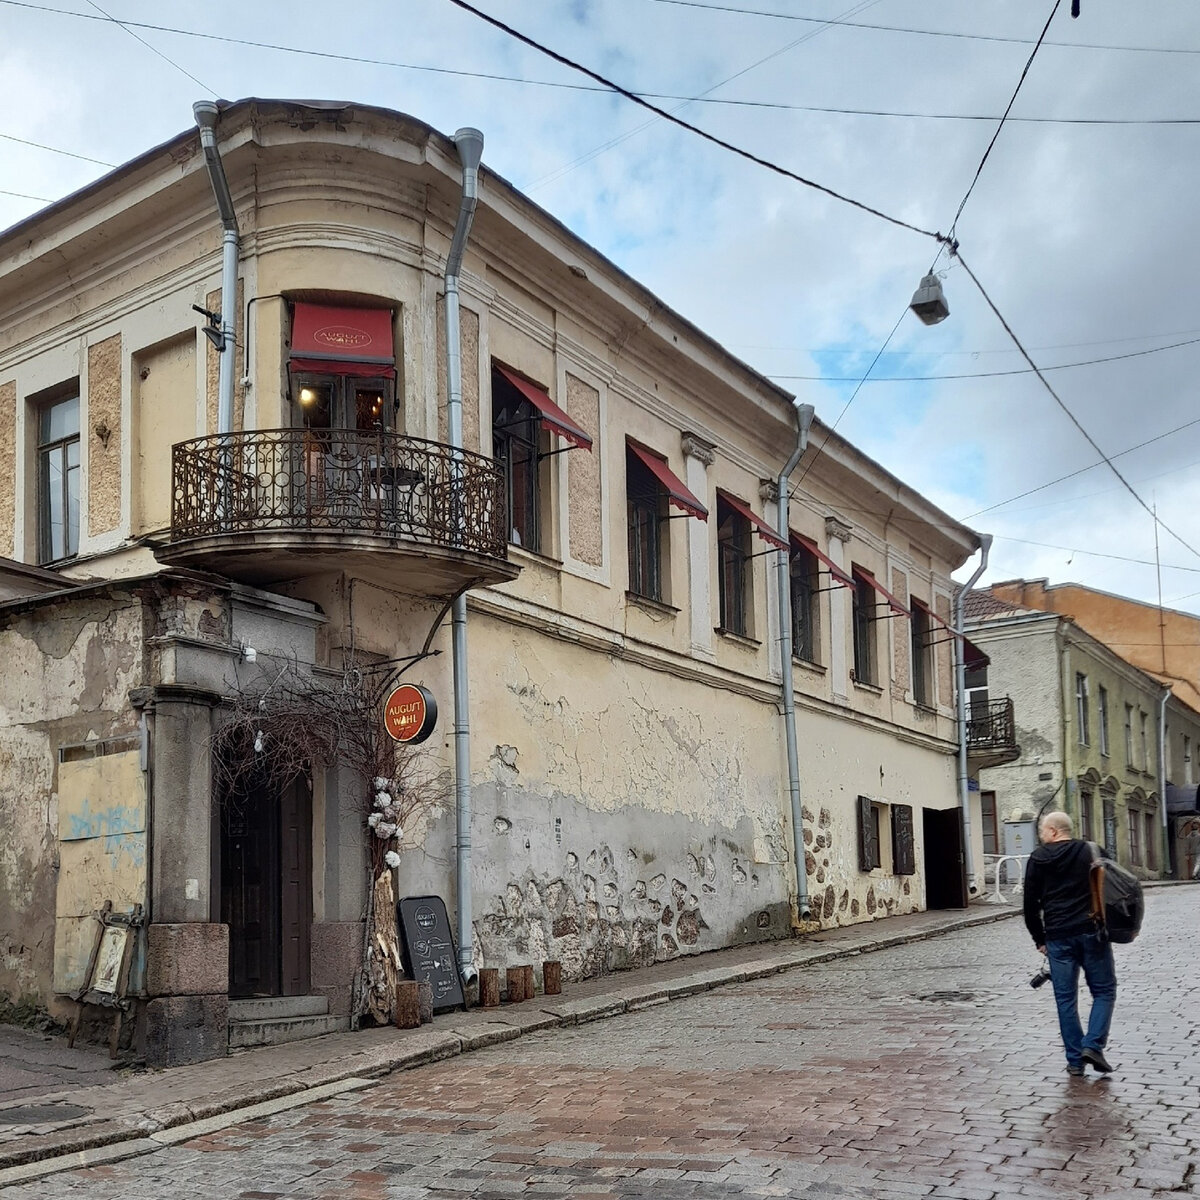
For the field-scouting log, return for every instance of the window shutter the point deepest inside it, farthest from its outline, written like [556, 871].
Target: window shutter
[868, 845]
[903, 855]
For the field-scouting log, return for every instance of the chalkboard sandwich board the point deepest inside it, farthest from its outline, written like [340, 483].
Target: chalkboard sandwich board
[429, 952]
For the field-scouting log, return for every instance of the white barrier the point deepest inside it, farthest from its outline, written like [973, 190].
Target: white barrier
[997, 862]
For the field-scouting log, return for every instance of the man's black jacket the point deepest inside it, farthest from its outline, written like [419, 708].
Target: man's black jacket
[1058, 898]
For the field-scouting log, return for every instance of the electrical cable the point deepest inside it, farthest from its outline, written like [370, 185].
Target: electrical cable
[1011, 102]
[879, 354]
[942, 33]
[567, 168]
[597, 90]
[674, 120]
[152, 49]
[1062, 404]
[1086, 362]
[1082, 471]
[8, 137]
[25, 196]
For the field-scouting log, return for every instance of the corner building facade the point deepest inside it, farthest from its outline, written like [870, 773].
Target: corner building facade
[618, 548]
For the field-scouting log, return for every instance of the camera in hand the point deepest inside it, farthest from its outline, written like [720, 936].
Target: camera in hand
[1041, 977]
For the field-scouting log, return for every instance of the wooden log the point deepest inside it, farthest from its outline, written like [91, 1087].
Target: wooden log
[552, 978]
[530, 986]
[514, 984]
[406, 1011]
[425, 1000]
[489, 987]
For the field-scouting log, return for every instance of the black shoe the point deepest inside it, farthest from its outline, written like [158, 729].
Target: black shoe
[1076, 1071]
[1097, 1060]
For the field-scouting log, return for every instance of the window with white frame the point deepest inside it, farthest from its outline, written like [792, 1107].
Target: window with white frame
[1129, 734]
[1102, 719]
[58, 475]
[1081, 707]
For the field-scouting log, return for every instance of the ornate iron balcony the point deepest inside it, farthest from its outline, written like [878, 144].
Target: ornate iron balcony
[992, 732]
[339, 482]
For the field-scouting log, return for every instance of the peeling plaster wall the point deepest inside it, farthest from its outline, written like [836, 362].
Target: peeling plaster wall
[213, 365]
[68, 671]
[645, 816]
[8, 469]
[583, 476]
[468, 322]
[102, 437]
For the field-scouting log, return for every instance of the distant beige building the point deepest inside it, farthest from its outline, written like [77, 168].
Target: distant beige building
[612, 519]
[1098, 737]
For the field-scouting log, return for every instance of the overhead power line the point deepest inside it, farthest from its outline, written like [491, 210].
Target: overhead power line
[496, 77]
[634, 98]
[8, 137]
[1085, 362]
[1012, 100]
[153, 49]
[942, 33]
[1063, 405]
[1041, 487]
[26, 196]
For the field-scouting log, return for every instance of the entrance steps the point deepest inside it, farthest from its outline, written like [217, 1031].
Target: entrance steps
[271, 1020]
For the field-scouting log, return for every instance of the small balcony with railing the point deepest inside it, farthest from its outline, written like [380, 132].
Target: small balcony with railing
[268, 505]
[991, 734]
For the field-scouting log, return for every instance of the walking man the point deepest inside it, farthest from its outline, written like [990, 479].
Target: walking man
[1058, 914]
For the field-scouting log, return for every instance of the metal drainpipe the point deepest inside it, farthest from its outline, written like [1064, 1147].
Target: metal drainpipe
[206, 113]
[470, 151]
[960, 687]
[804, 419]
[1162, 777]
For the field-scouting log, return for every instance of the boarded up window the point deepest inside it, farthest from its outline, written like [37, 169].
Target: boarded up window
[903, 855]
[868, 835]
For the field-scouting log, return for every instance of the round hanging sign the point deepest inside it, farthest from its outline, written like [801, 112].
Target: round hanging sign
[410, 713]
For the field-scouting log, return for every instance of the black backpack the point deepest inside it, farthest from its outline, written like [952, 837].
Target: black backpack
[1118, 904]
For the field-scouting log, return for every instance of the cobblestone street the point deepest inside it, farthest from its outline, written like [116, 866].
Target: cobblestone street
[928, 1070]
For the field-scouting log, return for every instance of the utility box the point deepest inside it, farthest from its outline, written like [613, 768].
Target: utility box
[1020, 837]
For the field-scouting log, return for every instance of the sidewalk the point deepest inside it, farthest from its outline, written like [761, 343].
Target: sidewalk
[56, 1102]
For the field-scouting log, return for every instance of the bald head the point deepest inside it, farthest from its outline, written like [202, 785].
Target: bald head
[1056, 827]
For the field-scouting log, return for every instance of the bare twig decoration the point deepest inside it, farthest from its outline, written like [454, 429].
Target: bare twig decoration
[299, 722]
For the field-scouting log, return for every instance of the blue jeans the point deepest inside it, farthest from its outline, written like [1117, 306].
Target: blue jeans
[1093, 953]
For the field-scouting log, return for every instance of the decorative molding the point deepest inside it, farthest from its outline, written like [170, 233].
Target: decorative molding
[835, 527]
[699, 448]
[768, 489]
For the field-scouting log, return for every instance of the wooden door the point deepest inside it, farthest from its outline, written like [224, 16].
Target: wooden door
[295, 901]
[945, 868]
[250, 891]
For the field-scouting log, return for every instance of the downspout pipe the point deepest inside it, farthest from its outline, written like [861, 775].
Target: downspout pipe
[470, 151]
[960, 689]
[206, 113]
[804, 420]
[1162, 778]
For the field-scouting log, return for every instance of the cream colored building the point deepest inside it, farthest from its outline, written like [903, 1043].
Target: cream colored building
[629, 780]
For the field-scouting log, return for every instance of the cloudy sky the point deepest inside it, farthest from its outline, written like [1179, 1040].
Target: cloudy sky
[1077, 227]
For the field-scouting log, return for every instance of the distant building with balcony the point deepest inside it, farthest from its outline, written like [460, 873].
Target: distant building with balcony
[612, 519]
[1086, 731]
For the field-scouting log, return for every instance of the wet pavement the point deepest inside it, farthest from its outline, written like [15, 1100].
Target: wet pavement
[928, 1069]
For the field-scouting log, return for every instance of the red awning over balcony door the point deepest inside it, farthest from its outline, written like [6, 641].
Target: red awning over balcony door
[331, 340]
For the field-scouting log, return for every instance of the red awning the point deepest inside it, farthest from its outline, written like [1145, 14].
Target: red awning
[972, 656]
[553, 417]
[765, 532]
[677, 494]
[333, 340]
[839, 574]
[893, 603]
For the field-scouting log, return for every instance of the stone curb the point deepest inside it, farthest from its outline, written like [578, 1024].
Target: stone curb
[93, 1142]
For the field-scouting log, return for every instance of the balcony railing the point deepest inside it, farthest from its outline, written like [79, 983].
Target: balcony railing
[991, 729]
[338, 481]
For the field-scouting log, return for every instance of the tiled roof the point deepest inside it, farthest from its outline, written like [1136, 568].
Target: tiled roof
[981, 604]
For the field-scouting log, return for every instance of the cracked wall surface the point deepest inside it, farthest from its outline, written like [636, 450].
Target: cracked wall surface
[102, 438]
[68, 673]
[8, 469]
